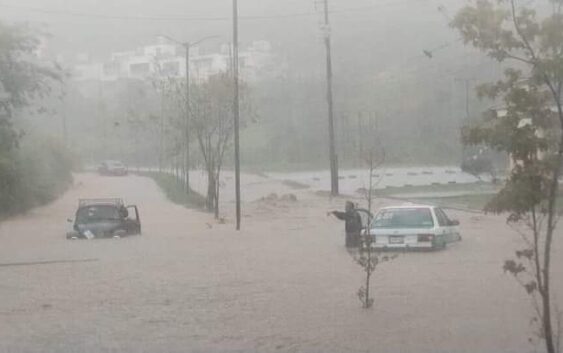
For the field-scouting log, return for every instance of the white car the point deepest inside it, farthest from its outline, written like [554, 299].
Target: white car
[115, 168]
[413, 226]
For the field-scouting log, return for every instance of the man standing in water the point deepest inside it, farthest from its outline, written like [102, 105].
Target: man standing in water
[353, 225]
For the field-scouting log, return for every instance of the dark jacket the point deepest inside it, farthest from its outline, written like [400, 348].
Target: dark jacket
[353, 220]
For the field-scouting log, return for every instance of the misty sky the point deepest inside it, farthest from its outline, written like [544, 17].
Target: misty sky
[378, 30]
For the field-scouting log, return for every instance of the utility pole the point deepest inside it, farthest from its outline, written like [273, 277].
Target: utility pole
[236, 109]
[64, 108]
[332, 148]
[360, 136]
[466, 82]
[161, 135]
[187, 122]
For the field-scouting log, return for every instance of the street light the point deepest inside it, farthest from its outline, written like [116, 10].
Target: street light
[187, 46]
[236, 109]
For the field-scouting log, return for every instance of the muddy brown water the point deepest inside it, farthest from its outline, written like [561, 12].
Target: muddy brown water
[284, 283]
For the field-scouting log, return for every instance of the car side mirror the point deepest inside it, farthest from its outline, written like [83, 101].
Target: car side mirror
[454, 222]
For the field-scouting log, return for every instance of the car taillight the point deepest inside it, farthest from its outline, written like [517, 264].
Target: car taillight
[425, 237]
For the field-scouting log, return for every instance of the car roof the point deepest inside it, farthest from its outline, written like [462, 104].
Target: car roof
[98, 205]
[100, 202]
[406, 206]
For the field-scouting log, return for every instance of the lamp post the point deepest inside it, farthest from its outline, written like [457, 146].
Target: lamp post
[187, 46]
[236, 110]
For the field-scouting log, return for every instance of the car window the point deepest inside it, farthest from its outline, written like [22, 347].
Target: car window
[443, 220]
[97, 213]
[404, 218]
[132, 213]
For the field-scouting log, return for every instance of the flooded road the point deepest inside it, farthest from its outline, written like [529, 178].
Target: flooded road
[284, 283]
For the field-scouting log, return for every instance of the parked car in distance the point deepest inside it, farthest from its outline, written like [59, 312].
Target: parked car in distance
[104, 218]
[114, 168]
[413, 227]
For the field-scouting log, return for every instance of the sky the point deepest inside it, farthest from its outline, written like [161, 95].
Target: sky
[381, 30]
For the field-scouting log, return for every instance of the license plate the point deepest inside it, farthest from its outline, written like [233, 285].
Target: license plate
[396, 240]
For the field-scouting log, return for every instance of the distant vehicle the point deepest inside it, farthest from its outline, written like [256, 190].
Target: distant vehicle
[104, 218]
[115, 168]
[412, 227]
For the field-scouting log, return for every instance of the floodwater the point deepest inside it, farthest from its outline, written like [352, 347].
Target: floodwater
[284, 283]
[353, 179]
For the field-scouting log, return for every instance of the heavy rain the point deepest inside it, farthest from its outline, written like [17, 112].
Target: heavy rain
[281, 176]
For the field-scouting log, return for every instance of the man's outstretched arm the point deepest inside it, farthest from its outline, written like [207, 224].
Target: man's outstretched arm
[340, 215]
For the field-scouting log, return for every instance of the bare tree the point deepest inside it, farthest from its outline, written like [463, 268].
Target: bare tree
[373, 157]
[172, 133]
[213, 127]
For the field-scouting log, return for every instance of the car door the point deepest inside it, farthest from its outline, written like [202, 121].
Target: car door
[445, 225]
[453, 227]
[133, 220]
[366, 216]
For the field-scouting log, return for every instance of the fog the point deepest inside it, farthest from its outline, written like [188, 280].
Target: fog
[131, 222]
[378, 57]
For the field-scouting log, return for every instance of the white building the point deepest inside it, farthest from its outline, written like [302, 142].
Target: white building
[167, 60]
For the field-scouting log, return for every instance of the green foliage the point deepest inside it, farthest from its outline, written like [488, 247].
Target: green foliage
[22, 77]
[529, 129]
[526, 128]
[33, 175]
[40, 170]
[369, 260]
[478, 165]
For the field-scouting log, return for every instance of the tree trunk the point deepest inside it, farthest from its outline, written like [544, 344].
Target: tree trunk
[551, 223]
[211, 190]
[546, 295]
[217, 202]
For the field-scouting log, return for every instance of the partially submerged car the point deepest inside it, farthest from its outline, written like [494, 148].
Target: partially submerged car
[113, 168]
[413, 227]
[104, 218]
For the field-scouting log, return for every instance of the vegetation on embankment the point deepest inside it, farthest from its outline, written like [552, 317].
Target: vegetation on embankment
[462, 188]
[36, 173]
[471, 196]
[174, 190]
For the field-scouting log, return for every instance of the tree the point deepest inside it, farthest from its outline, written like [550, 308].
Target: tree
[373, 156]
[529, 129]
[23, 78]
[23, 81]
[479, 164]
[212, 122]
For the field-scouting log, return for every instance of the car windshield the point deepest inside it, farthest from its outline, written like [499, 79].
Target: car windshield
[90, 214]
[403, 218]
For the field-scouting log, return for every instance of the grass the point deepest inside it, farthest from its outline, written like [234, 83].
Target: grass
[174, 190]
[480, 187]
[472, 196]
[470, 201]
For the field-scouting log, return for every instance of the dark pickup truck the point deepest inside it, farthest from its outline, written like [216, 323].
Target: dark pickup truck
[104, 218]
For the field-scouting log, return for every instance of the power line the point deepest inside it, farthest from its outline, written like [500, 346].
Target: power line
[184, 19]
